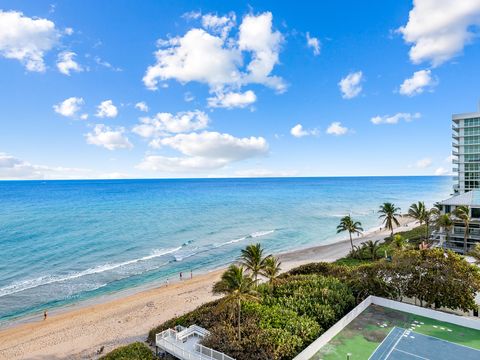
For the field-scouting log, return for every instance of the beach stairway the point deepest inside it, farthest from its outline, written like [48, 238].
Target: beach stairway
[184, 343]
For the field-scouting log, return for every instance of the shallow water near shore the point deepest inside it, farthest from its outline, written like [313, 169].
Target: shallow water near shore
[65, 241]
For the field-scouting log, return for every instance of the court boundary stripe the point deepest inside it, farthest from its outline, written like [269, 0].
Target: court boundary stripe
[412, 354]
[395, 345]
[385, 338]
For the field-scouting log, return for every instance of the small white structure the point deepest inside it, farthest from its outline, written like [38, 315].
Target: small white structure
[183, 343]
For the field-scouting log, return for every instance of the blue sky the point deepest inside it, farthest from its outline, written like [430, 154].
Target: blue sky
[211, 89]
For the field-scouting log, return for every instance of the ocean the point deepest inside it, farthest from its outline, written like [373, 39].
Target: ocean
[62, 242]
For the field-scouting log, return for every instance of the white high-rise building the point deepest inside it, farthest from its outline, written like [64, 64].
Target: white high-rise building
[466, 152]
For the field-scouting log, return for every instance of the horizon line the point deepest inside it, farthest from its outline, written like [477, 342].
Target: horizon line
[228, 177]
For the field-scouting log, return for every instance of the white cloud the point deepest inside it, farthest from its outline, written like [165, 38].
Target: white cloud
[69, 107]
[106, 64]
[68, 31]
[192, 15]
[142, 106]
[208, 58]
[394, 119]
[219, 24]
[314, 43]
[109, 138]
[179, 164]
[417, 84]
[84, 116]
[441, 171]
[26, 39]
[188, 96]
[439, 29]
[66, 63]
[232, 100]
[197, 56]
[166, 123]
[106, 109]
[253, 173]
[204, 151]
[256, 35]
[350, 86]
[217, 145]
[423, 163]
[298, 131]
[12, 168]
[336, 128]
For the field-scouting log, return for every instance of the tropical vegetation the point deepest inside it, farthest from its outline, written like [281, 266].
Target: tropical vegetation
[389, 215]
[463, 213]
[134, 351]
[353, 227]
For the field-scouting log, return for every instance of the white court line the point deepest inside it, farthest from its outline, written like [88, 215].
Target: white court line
[418, 356]
[395, 345]
[385, 338]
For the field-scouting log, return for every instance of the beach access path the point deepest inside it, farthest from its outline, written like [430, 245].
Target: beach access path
[80, 332]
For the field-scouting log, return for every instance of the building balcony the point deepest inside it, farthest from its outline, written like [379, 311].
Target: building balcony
[455, 161]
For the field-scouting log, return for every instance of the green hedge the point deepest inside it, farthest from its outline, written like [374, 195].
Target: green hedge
[135, 351]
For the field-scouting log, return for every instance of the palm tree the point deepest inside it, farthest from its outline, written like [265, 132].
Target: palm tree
[417, 211]
[372, 248]
[432, 216]
[463, 213]
[238, 287]
[445, 221]
[389, 213]
[272, 269]
[253, 260]
[353, 227]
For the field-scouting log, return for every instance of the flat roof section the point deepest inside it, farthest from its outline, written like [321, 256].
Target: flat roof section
[389, 330]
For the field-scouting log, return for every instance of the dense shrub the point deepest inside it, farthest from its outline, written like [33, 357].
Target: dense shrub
[135, 351]
[414, 236]
[324, 299]
[321, 268]
[256, 343]
[277, 317]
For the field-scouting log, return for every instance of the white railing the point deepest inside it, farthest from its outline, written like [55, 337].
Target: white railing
[177, 350]
[212, 354]
[172, 342]
[193, 330]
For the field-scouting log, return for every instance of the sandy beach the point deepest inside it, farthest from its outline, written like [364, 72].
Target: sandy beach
[80, 332]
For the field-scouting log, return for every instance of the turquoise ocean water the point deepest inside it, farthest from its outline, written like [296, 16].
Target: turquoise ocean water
[65, 241]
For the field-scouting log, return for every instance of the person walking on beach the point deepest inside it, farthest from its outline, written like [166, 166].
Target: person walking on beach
[191, 274]
[45, 315]
[181, 276]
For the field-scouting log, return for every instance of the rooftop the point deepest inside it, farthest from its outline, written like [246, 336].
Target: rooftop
[381, 329]
[471, 198]
[465, 116]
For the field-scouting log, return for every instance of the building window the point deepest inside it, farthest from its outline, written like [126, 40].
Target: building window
[476, 213]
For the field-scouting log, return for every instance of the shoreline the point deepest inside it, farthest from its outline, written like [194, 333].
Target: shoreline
[78, 330]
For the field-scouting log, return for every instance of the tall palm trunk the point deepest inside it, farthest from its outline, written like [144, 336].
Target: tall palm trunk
[465, 237]
[239, 317]
[427, 230]
[351, 241]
